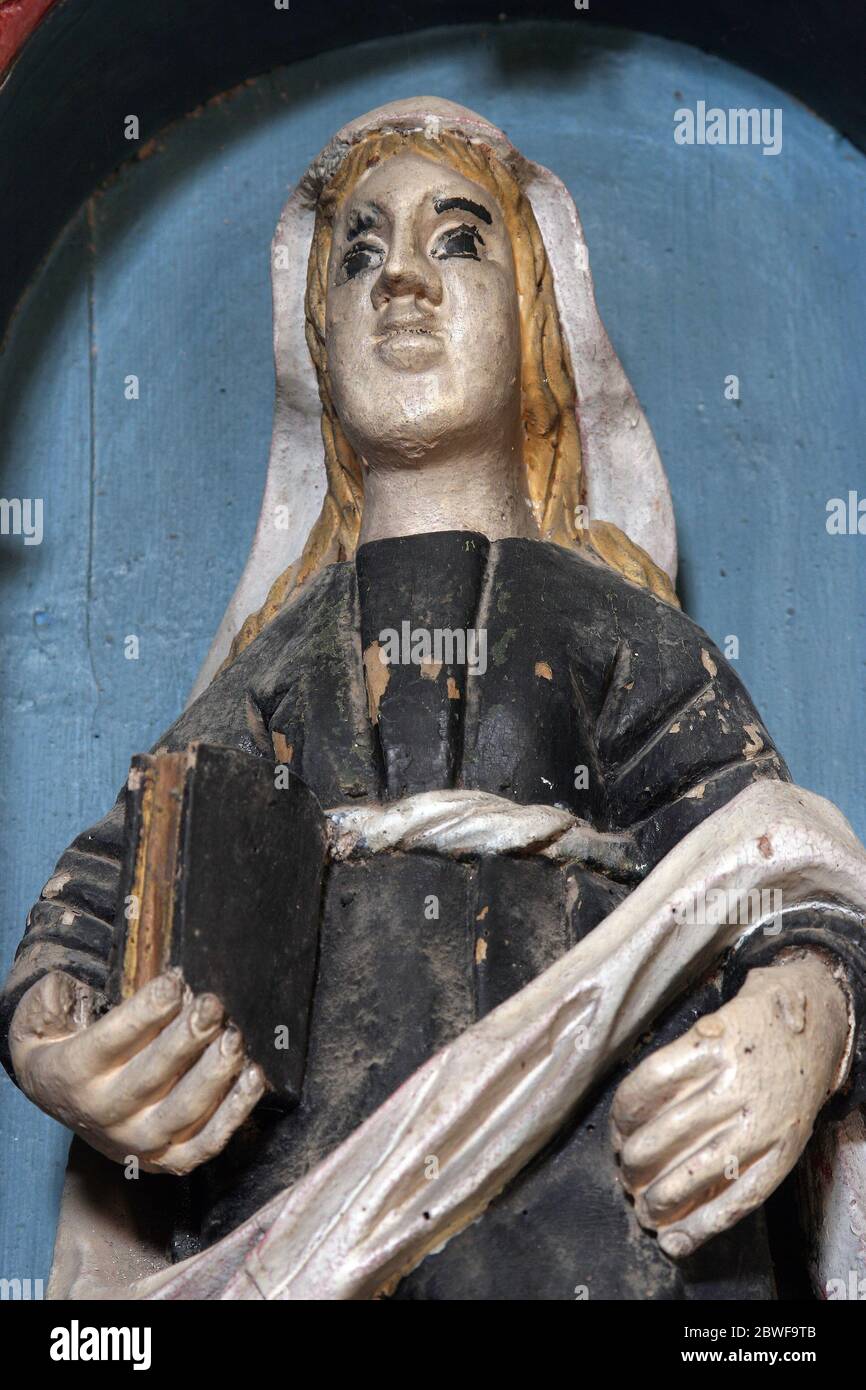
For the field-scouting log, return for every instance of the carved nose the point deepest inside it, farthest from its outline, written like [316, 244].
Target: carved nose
[406, 272]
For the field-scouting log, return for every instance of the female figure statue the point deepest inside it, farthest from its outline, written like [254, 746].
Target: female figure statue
[494, 798]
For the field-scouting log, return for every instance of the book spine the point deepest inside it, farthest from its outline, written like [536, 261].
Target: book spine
[138, 800]
[146, 912]
[157, 868]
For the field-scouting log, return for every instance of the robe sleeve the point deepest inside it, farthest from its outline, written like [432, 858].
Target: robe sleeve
[678, 737]
[71, 926]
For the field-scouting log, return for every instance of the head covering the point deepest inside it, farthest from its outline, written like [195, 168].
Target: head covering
[624, 478]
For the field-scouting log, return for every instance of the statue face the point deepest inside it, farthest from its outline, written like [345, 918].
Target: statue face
[423, 333]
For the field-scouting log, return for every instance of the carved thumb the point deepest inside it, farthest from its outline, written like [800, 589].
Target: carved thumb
[54, 1008]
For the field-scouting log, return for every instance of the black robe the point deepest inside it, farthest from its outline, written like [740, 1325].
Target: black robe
[583, 671]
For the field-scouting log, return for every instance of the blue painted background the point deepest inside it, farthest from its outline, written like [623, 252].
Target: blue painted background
[708, 261]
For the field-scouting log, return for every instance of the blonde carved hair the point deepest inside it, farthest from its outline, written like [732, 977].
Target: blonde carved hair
[551, 443]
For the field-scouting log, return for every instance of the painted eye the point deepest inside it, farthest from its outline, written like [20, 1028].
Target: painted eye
[462, 241]
[363, 255]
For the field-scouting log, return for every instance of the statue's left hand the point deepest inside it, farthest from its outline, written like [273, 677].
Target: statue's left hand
[707, 1127]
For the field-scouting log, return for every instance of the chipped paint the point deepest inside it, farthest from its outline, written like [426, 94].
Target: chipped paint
[55, 886]
[480, 951]
[479, 917]
[453, 692]
[755, 743]
[572, 895]
[284, 751]
[707, 662]
[542, 668]
[697, 793]
[377, 676]
[430, 670]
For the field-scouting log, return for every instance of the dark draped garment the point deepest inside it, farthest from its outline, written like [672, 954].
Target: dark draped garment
[583, 671]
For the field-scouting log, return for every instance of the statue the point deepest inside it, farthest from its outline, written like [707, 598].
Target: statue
[590, 968]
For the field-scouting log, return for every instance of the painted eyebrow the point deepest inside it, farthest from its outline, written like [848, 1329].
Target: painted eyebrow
[362, 220]
[465, 205]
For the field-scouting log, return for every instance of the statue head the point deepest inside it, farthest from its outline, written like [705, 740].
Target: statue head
[431, 315]
[421, 333]
[437, 234]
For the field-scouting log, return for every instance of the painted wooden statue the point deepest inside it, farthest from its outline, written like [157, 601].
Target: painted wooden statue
[537, 1062]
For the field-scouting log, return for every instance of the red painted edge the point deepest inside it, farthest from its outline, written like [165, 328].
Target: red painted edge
[18, 19]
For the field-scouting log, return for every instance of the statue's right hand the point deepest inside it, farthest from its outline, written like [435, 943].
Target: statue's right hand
[160, 1077]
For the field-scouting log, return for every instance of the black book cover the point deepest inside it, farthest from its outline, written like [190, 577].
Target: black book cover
[225, 858]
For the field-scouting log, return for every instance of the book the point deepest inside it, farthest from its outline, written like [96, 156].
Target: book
[222, 877]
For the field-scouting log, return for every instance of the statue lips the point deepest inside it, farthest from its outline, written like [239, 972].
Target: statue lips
[409, 344]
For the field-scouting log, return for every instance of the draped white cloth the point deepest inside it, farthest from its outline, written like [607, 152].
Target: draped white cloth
[489, 1101]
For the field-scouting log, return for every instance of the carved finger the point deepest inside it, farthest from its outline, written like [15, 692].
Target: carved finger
[662, 1078]
[189, 1104]
[130, 1026]
[152, 1071]
[688, 1233]
[212, 1139]
[698, 1177]
[674, 1132]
